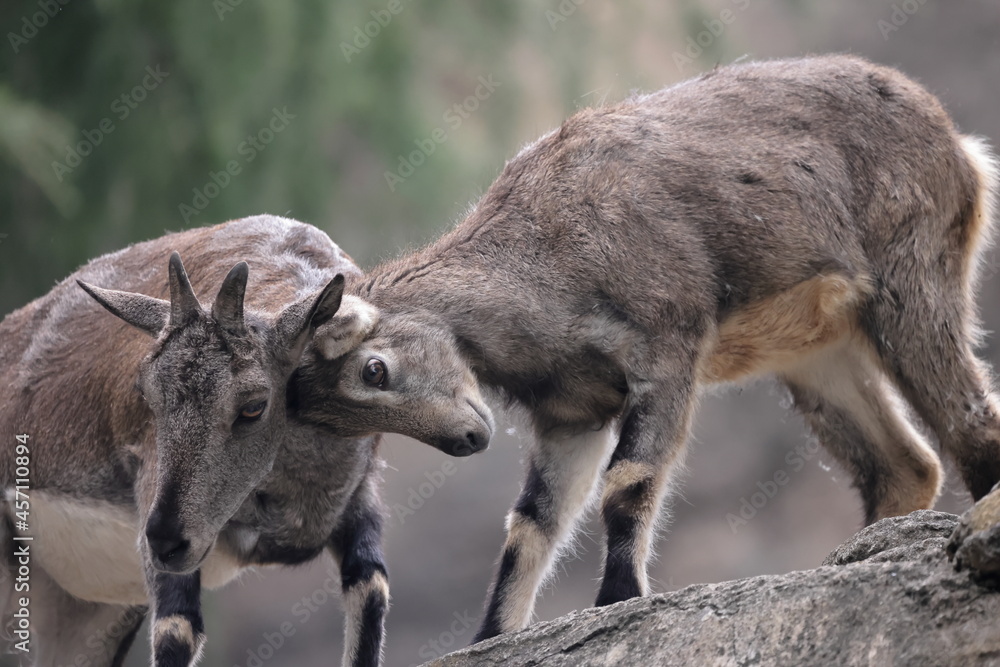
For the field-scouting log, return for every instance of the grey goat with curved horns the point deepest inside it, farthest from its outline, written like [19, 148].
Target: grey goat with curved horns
[217, 392]
[162, 466]
[817, 219]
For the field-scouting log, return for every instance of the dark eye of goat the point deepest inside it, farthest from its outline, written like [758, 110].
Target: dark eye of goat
[252, 411]
[374, 373]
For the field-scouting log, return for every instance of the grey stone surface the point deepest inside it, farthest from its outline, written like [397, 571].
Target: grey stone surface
[901, 538]
[975, 544]
[888, 596]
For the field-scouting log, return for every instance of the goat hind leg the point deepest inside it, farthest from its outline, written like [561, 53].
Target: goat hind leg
[925, 346]
[847, 403]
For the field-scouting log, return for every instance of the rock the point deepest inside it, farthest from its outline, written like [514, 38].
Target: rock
[897, 539]
[889, 596]
[975, 545]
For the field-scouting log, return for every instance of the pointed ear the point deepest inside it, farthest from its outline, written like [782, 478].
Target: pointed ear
[228, 307]
[352, 323]
[327, 303]
[183, 302]
[141, 311]
[297, 323]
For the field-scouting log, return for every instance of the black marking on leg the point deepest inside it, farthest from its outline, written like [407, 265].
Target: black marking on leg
[180, 595]
[369, 647]
[631, 499]
[359, 543]
[137, 614]
[491, 626]
[535, 501]
[629, 438]
[173, 652]
[620, 581]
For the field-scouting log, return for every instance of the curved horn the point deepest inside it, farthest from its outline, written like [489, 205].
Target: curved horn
[141, 311]
[183, 302]
[228, 307]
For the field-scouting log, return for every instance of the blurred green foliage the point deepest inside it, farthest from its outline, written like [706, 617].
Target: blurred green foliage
[70, 77]
[362, 85]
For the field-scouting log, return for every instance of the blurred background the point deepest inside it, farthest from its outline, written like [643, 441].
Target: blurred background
[123, 120]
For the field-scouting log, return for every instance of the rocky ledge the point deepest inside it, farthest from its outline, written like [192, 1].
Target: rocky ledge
[918, 590]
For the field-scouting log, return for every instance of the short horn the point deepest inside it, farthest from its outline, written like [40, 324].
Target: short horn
[228, 307]
[183, 303]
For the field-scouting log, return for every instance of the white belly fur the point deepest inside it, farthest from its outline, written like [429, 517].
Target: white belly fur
[90, 548]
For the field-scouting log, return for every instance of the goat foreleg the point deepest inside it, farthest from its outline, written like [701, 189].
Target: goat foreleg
[357, 547]
[178, 633]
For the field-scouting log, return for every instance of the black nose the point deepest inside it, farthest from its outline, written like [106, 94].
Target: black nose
[473, 442]
[165, 537]
[477, 440]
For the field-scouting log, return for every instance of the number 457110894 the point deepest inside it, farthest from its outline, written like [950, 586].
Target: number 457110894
[22, 480]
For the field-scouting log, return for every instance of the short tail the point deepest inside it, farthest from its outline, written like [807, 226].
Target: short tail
[983, 214]
[980, 217]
